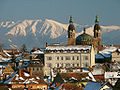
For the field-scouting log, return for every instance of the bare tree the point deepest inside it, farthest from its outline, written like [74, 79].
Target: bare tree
[1, 46]
[23, 48]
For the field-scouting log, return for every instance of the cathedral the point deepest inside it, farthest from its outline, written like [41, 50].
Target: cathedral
[78, 53]
[85, 39]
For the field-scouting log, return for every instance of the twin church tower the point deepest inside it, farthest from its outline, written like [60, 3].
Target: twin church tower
[85, 39]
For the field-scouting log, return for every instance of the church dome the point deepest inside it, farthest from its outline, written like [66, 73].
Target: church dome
[84, 39]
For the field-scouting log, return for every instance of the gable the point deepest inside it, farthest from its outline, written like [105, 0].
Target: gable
[8, 69]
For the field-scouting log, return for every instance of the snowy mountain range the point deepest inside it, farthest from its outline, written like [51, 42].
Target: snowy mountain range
[35, 33]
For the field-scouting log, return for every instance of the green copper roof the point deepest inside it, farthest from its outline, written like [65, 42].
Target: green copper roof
[84, 38]
[71, 26]
[71, 21]
[97, 26]
[96, 20]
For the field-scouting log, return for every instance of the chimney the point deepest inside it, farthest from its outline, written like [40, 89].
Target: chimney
[101, 82]
[46, 44]
[90, 69]
[112, 45]
[29, 88]
[4, 77]
[103, 44]
[9, 75]
[30, 71]
[30, 57]
[81, 70]
[20, 72]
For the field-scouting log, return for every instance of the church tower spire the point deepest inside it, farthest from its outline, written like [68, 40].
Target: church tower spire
[97, 34]
[71, 21]
[96, 20]
[71, 32]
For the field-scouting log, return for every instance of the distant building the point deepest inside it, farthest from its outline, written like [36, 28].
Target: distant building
[22, 80]
[7, 72]
[37, 67]
[116, 56]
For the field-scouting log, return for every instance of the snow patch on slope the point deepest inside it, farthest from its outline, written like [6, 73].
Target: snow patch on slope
[53, 28]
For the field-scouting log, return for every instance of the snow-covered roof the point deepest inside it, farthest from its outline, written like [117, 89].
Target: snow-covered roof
[108, 50]
[38, 52]
[68, 47]
[91, 75]
[98, 71]
[106, 53]
[112, 75]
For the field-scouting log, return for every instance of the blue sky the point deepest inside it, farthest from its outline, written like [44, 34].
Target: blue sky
[83, 11]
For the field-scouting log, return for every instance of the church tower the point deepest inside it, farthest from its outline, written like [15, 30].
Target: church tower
[97, 34]
[71, 33]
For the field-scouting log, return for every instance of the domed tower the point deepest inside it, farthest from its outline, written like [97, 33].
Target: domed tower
[71, 32]
[84, 39]
[97, 34]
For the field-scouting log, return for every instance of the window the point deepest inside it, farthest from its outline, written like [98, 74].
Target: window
[37, 86]
[57, 58]
[67, 58]
[73, 65]
[49, 64]
[40, 68]
[57, 64]
[49, 58]
[61, 58]
[61, 64]
[73, 58]
[85, 64]
[77, 64]
[77, 57]
[85, 57]
[71, 35]
[44, 88]
[67, 65]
